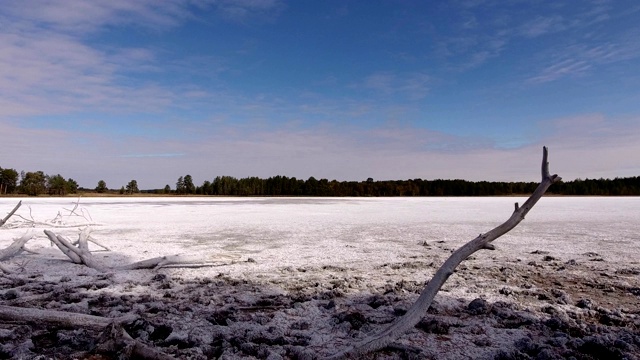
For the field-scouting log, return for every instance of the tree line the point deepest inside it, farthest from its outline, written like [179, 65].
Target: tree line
[36, 183]
[286, 186]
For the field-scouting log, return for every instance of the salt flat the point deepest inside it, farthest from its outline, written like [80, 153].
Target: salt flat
[279, 232]
[348, 249]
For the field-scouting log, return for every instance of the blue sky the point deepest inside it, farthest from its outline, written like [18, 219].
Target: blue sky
[471, 89]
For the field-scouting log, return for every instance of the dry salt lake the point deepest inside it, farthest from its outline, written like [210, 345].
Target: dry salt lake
[332, 231]
[320, 260]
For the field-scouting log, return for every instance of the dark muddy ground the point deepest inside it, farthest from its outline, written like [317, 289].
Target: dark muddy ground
[539, 307]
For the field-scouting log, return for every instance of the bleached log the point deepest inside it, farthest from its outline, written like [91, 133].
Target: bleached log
[419, 308]
[16, 247]
[4, 270]
[82, 255]
[115, 338]
[173, 260]
[64, 246]
[6, 218]
[92, 240]
[59, 318]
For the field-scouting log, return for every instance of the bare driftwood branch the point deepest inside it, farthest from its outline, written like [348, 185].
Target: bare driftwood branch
[91, 239]
[82, 255]
[54, 223]
[3, 221]
[175, 260]
[57, 222]
[4, 270]
[59, 318]
[16, 247]
[115, 338]
[483, 241]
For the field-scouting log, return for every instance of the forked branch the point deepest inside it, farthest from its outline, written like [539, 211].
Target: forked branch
[483, 241]
[3, 221]
[81, 255]
[16, 247]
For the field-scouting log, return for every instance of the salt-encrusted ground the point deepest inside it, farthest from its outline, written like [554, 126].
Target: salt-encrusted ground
[312, 275]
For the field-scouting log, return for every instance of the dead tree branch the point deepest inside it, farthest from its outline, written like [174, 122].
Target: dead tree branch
[16, 247]
[4, 270]
[114, 338]
[59, 318]
[3, 221]
[82, 255]
[54, 223]
[175, 260]
[91, 239]
[57, 222]
[419, 308]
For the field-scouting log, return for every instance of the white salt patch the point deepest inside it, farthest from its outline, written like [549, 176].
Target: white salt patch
[356, 233]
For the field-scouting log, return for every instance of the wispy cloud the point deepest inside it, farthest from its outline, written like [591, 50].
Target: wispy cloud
[582, 146]
[567, 67]
[54, 74]
[83, 16]
[413, 86]
[580, 59]
[169, 155]
[250, 10]
[48, 67]
[485, 31]
[587, 46]
[543, 26]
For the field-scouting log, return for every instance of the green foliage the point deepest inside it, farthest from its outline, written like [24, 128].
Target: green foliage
[33, 183]
[185, 185]
[56, 185]
[132, 187]
[284, 186]
[72, 186]
[8, 180]
[205, 189]
[180, 186]
[189, 188]
[102, 187]
[36, 183]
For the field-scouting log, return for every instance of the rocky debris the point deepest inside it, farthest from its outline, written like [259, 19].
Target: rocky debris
[478, 307]
[506, 311]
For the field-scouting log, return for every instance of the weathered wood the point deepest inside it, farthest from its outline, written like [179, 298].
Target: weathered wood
[6, 218]
[16, 247]
[5, 270]
[64, 246]
[419, 308]
[82, 255]
[115, 338]
[173, 260]
[92, 240]
[59, 318]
